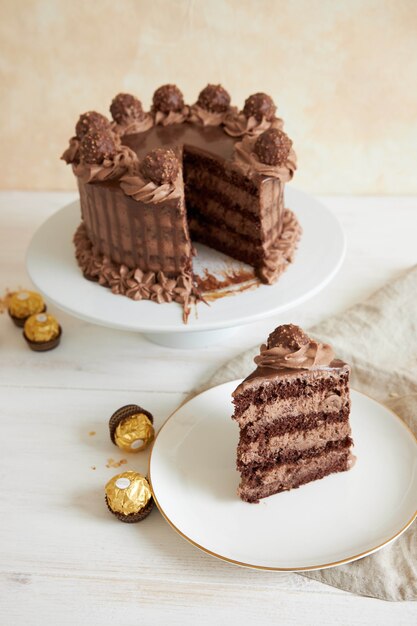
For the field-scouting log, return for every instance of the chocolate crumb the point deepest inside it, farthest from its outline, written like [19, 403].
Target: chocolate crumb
[273, 147]
[214, 98]
[113, 463]
[168, 98]
[259, 106]
[160, 166]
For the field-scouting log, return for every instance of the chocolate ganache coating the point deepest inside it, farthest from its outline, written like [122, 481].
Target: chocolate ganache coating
[260, 105]
[287, 336]
[273, 147]
[168, 98]
[125, 108]
[96, 146]
[90, 121]
[160, 166]
[214, 98]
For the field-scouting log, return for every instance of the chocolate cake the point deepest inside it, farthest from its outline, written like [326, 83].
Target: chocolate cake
[151, 182]
[293, 414]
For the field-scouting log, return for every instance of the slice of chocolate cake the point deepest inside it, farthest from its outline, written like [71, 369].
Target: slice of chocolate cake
[293, 414]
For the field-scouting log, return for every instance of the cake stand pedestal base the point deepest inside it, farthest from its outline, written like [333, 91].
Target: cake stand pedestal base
[191, 340]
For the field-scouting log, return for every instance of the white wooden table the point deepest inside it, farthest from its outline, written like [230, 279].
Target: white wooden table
[64, 560]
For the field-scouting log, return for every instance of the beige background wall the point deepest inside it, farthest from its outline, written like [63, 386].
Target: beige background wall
[343, 73]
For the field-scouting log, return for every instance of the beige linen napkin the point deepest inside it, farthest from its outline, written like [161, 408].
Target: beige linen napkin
[379, 339]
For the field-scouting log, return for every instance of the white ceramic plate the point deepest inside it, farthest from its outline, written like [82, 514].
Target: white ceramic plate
[324, 523]
[53, 269]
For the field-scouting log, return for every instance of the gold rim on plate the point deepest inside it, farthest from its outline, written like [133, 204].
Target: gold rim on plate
[264, 567]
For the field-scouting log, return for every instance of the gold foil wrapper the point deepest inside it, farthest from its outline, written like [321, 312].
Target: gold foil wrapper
[22, 304]
[128, 493]
[134, 433]
[41, 328]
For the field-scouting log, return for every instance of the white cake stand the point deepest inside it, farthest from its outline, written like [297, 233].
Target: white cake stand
[54, 271]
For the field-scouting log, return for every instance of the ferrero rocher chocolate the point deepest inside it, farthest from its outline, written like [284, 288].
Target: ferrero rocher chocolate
[42, 331]
[131, 428]
[129, 496]
[134, 433]
[23, 304]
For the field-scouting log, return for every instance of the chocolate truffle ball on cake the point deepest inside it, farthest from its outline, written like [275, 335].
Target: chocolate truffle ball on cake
[293, 415]
[136, 175]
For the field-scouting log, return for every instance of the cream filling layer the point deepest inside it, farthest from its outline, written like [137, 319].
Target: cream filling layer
[261, 451]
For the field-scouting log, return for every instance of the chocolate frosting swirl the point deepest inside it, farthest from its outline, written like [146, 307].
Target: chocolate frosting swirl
[71, 154]
[307, 357]
[173, 117]
[142, 190]
[246, 160]
[201, 116]
[123, 162]
[134, 126]
[238, 125]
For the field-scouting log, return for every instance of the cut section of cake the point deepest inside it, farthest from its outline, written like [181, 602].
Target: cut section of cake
[293, 413]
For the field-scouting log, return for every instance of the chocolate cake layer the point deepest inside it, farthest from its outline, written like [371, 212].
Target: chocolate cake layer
[257, 468]
[266, 447]
[294, 474]
[267, 395]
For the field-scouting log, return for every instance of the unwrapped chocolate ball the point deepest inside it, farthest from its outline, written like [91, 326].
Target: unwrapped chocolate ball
[126, 108]
[23, 304]
[288, 336]
[96, 146]
[168, 98]
[214, 98]
[260, 105]
[129, 497]
[161, 166]
[90, 121]
[273, 147]
[42, 332]
[131, 428]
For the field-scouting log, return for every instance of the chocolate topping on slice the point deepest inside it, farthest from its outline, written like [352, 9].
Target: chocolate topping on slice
[96, 146]
[91, 121]
[288, 336]
[168, 98]
[214, 98]
[260, 105]
[273, 147]
[126, 108]
[160, 166]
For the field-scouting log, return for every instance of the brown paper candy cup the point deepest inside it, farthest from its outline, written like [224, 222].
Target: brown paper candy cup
[133, 518]
[123, 413]
[20, 321]
[44, 346]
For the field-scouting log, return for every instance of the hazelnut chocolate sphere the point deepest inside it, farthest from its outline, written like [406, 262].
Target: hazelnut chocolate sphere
[273, 147]
[96, 146]
[168, 98]
[288, 336]
[126, 108]
[160, 166]
[91, 121]
[259, 106]
[214, 98]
